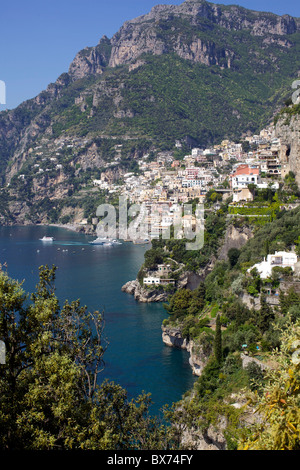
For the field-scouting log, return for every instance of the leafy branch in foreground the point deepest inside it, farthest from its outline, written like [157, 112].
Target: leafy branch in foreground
[279, 405]
[50, 396]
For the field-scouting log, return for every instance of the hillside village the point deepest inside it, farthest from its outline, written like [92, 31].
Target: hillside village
[161, 184]
[226, 166]
[228, 170]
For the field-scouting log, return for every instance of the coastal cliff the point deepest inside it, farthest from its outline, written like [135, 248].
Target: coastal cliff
[141, 294]
[172, 336]
[288, 130]
[234, 237]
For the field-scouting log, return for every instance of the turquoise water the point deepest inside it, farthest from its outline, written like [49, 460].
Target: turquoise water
[136, 357]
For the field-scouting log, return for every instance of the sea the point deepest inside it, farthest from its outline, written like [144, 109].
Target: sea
[136, 357]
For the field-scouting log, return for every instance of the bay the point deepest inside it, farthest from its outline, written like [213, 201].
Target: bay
[136, 357]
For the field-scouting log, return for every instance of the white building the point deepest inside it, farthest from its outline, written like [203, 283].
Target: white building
[196, 152]
[282, 259]
[244, 175]
[149, 281]
[191, 183]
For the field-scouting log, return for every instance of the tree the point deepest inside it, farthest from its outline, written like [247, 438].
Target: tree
[218, 341]
[265, 315]
[51, 395]
[153, 257]
[180, 301]
[233, 256]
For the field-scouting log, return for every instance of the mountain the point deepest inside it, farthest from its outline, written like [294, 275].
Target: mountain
[196, 72]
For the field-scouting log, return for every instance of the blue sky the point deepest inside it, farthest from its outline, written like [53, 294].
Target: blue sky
[39, 39]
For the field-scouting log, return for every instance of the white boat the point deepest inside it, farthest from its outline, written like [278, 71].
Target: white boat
[98, 241]
[116, 242]
[47, 239]
[105, 241]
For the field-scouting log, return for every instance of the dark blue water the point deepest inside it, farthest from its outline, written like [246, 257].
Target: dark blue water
[136, 357]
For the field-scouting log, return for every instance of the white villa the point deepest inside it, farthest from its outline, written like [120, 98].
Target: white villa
[155, 281]
[244, 175]
[149, 281]
[280, 258]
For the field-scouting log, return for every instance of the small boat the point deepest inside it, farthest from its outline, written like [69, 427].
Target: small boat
[116, 242]
[105, 241]
[141, 241]
[98, 241]
[47, 239]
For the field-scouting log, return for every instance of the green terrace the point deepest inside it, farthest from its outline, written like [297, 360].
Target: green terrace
[259, 213]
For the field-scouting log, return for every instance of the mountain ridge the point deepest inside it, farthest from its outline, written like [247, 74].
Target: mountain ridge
[196, 72]
[125, 50]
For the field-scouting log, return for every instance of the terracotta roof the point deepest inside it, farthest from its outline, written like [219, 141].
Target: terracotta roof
[246, 170]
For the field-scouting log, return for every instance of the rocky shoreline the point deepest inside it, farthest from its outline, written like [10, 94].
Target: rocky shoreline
[172, 336]
[87, 229]
[142, 294]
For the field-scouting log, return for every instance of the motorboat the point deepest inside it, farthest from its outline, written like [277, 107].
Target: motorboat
[105, 241]
[98, 241]
[47, 239]
[116, 242]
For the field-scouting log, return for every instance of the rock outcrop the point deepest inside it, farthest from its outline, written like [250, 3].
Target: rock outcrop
[288, 131]
[235, 237]
[172, 336]
[142, 294]
[214, 437]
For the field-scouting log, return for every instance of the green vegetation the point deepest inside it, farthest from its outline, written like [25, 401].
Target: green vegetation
[267, 203]
[50, 396]
[288, 112]
[214, 317]
[164, 251]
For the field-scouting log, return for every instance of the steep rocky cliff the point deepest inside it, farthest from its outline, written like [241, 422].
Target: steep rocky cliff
[144, 35]
[288, 130]
[198, 359]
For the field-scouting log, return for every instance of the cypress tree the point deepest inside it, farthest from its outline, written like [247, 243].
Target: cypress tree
[218, 341]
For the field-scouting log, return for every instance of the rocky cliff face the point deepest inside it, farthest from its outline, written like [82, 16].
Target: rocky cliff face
[172, 336]
[235, 237]
[288, 130]
[151, 33]
[142, 294]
